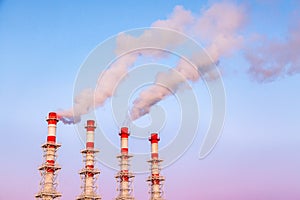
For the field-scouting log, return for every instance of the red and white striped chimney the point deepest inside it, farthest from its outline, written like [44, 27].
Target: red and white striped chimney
[124, 175]
[90, 131]
[49, 167]
[124, 140]
[154, 139]
[124, 162]
[155, 178]
[52, 122]
[51, 150]
[89, 172]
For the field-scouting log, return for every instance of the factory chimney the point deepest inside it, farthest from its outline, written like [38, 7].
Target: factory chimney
[155, 179]
[124, 176]
[89, 173]
[49, 167]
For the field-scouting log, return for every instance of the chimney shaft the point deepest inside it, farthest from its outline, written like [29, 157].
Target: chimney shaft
[90, 132]
[155, 178]
[124, 176]
[89, 173]
[124, 140]
[52, 122]
[49, 167]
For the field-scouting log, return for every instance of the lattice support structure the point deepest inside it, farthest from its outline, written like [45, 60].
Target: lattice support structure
[49, 168]
[124, 177]
[155, 179]
[89, 173]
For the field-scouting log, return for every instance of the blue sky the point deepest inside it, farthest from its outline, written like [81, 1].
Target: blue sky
[43, 44]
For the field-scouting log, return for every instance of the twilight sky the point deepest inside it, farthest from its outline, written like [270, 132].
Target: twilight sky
[44, 43]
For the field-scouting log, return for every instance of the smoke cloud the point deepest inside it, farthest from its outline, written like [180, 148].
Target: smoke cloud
[274, 59]
[88, 99]
[219, 28]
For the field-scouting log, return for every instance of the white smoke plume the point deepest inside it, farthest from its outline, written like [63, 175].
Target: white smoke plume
[219, 28]
[275, 59]
[84, 102]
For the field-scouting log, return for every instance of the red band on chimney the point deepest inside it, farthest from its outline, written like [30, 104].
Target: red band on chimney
[90, 128]
[90, 145]
[124, 135]
[154, 155]
[124, 132]
[124, 150]
[90, 125]
[155, 180]
[52, 118]
[90, 166]
[154, 138]
[50, 162]
[89, 174]
[50, 170]
[51, 138]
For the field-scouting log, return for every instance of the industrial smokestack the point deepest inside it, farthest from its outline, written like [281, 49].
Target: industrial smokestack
[49, 168]
[89, 173]
[155, 178]
[124, 176]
